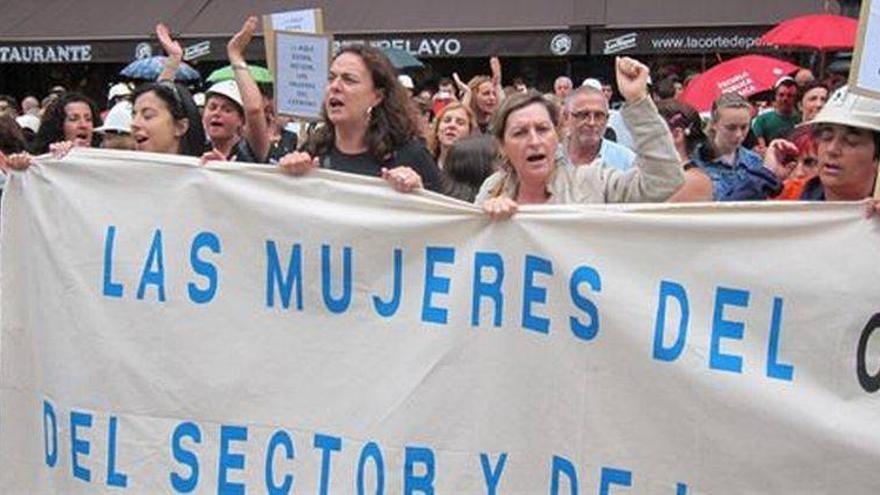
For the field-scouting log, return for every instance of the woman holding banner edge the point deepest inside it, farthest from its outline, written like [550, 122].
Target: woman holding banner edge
[536, 171]
[165, 120]
[369, 126]
[165, 117]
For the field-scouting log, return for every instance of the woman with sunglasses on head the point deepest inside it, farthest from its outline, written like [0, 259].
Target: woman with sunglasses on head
[369, 126]
[165, 120]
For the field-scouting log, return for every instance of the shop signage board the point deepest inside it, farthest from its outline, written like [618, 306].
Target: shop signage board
[864, 77]
[675, 41]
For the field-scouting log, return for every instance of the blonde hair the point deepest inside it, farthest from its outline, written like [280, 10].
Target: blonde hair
[474, 85]
[433, 140]
[726, 100]
[729, 100]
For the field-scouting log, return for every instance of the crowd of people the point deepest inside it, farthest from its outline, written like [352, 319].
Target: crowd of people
[480, 141]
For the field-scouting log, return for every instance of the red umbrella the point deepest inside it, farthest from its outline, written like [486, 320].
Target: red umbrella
[745, 75]
[825, 32]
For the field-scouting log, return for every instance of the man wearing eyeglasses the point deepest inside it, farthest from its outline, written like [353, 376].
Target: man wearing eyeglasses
[588, 117]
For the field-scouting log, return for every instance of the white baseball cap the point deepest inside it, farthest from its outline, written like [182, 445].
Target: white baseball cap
[118, 119]
[593, 83]
[406, 81]
[227, 88]
[118, 90]
[28, 121]
[783, 80]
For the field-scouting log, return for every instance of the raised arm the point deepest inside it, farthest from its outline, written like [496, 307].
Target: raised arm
[497, 81]
[256, 128]
[658, 172]
[464, 89]
[173, 51]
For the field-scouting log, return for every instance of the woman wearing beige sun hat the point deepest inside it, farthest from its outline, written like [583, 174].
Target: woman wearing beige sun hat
[847, 136]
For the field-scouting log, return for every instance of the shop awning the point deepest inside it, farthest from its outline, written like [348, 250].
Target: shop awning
[70, 31]
[66, 31]
[703, 13]
[412, 16]
[93, 20]
[59, 20]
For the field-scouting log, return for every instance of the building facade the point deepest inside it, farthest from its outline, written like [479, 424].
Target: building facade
[88, 41]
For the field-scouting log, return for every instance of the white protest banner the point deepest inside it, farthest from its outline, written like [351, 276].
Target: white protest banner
[171, 328]
[303, 21]
[301, 67]
[865, 74]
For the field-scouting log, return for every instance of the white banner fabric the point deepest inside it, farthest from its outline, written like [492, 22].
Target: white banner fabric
[171, 328]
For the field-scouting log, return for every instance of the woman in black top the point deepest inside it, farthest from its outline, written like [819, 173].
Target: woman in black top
[369, 126]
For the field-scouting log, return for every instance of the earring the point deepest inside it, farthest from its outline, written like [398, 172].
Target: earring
[504, 163]
[369, 111]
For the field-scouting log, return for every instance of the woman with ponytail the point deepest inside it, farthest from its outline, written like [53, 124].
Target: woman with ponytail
[737, 173]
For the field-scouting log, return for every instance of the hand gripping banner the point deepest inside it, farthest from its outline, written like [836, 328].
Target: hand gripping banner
[171, 328]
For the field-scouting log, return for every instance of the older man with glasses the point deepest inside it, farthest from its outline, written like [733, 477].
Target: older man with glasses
[588, 117]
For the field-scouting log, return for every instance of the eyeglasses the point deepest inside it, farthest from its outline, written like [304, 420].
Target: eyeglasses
[596, 116]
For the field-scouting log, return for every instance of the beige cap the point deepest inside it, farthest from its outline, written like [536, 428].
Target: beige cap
[850, 109]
